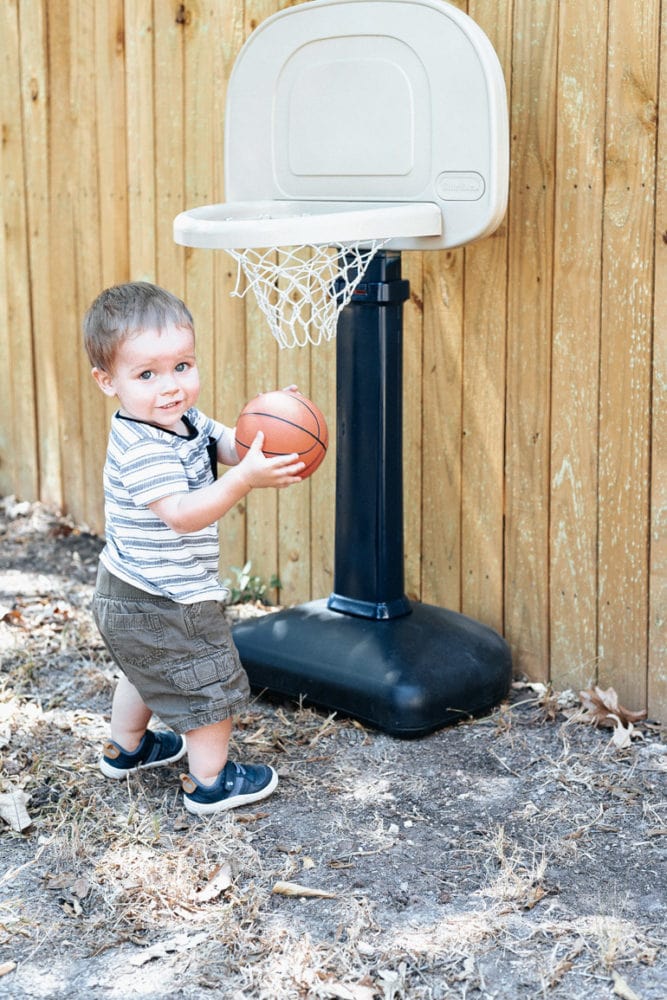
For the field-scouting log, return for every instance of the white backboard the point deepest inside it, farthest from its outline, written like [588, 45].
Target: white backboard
[344, 108]
[372, 101]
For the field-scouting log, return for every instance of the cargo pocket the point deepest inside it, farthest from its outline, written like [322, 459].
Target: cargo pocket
[208, 675]
[135, 638]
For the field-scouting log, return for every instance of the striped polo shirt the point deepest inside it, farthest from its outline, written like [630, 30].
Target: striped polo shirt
[145, 463]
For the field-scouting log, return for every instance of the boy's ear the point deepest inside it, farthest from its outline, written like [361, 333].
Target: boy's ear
[104, 380]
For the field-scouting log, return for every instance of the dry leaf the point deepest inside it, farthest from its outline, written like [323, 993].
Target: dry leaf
[63, 880]
[219, 882]
[622, 735]
[72, 907]
[13, 616]
[80, 888]
[533, 896]
[601, 708]
[13, 810]
[621, 988]
[250, 817]
[294, 889]
[536, 686]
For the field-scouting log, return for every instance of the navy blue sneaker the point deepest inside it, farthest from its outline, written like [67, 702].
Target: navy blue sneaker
[236, 785]
[154, 750]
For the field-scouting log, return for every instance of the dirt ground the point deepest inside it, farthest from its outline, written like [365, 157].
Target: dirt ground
[519, 855]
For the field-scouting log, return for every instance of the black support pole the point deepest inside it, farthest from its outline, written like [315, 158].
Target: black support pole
[407, 668]
[368, 572]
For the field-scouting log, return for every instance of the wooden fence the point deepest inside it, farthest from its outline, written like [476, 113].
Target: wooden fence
[535, 361]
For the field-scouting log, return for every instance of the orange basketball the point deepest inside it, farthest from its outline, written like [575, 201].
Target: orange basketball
[290, 422]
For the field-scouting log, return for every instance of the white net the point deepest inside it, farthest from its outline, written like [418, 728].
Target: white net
[302, 290]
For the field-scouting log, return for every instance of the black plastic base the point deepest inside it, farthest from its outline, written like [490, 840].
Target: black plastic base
[407, 676]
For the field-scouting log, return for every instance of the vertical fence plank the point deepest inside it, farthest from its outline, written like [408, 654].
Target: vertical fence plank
[110, 76]
[170, 129]
[9, 120]
[323, 483]
[229, 313]
[442, 424]
[7, 417]
[575, 358]
[19, 451]
[483, 476]
[200, 175]
[261, 506]
[34, 86]
[63, 251]
[230, 376]
[8, 479]
[86, 262]
[111, 162]
[657, 656]
[529, 354]
[140, 98]
[294, 503]
[413, 316]
[441, 440]
[626, 346]
[261, 374]
[485, 332]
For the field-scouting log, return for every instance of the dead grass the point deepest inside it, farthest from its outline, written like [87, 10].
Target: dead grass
[516, 856]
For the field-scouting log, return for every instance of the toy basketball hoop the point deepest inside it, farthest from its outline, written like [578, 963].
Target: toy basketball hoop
[302, 260]
[353, 125]
[356, 129]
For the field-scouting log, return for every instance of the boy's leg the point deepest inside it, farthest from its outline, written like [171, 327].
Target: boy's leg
[214, 783]
[207, 750]
[132, 746]
[129, 715]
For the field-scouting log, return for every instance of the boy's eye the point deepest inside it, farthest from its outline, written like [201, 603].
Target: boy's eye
[182, 366]
[145, 376]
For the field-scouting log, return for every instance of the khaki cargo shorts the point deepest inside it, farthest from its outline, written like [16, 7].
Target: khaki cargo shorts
[181, 658]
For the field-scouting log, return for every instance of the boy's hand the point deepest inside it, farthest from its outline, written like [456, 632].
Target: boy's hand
[260, 471]
[187, 512]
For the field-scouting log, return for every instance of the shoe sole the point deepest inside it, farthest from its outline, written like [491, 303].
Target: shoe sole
[109, 771]
[207, 808]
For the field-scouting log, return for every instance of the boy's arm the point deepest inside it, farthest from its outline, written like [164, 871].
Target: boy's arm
[188, 512]
[226, 447]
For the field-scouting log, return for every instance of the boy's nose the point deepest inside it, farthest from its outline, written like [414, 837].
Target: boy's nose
[168, 383]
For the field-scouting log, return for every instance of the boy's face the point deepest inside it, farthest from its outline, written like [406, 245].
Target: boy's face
[154, 377]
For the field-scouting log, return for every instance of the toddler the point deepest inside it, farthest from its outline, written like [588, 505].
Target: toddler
[158, 601]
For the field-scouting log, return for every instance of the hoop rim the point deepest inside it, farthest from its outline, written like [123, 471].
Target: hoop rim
[255, 224]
